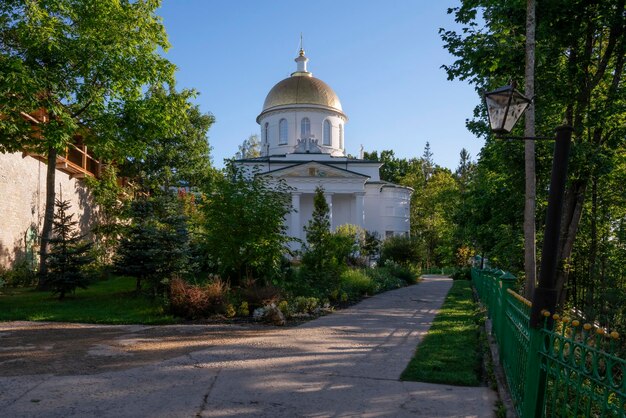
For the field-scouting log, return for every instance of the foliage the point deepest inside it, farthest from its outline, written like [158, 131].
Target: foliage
[112, 201]
[104, 302]
[348, 241]
[399, 249]
[179, 158]
[371, 244]
[244, 222]
[20, 275]
[154, 245]
[579, 78]
[384, 279]
[321, 266]
[256, 295]
[250, 148]
[82, 69]
[451, 352]
[198, 301]
[69, 254]
[356, 283]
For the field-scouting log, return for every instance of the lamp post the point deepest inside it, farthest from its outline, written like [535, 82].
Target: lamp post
[504, 107]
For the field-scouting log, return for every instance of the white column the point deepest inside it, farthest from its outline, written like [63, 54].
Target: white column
[359, 215]
[329, 202]
[296, 228]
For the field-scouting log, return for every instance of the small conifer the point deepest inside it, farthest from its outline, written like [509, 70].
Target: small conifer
[69, 254]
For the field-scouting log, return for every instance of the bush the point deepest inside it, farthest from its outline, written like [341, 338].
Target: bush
[384, 280]
[356, 284]
[198, 301]
[464, 273]
[399, 249]
[304, 305]
[257, 296]
[21, 275]
[404, 272]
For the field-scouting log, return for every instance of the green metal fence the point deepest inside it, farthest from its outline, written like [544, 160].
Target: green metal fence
[564, 369]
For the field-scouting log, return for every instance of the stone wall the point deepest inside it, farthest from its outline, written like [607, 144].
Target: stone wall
[22, 206]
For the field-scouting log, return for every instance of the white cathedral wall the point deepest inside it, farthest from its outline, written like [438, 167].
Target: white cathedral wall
[294, 118]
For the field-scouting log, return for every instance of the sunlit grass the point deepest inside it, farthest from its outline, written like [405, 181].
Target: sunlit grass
[105, 302]
[450, 353]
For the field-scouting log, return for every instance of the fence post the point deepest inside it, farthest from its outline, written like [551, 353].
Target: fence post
[534, 385]
[507, 281]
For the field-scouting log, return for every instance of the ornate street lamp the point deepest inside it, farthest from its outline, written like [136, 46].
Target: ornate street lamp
[505, 106]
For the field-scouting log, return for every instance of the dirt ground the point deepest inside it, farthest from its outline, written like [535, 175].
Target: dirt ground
[30, 348]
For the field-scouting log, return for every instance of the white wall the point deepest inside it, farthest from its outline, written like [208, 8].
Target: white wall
[22, 204]
[294, 118]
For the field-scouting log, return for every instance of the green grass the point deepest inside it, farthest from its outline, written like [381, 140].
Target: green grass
[105, 302]
[450, 353]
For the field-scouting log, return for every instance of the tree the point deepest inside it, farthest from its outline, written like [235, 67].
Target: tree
[245, 231]
[579, 77]
[172, 159]
[530, 251]
[155, 244]
[427, 161]
[82, 68]
[250, 148]
[320, 263]
[69, 254]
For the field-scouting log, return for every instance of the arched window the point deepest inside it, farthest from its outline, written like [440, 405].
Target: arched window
[282, 132]
[341, 135]
[305, 128]
[266, 133]
[327, 138]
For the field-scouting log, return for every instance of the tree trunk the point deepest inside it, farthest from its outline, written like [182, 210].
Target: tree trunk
[572, 211]
[530, 252]
[46, 230]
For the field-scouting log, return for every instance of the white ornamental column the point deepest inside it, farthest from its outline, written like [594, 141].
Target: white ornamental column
[296, 228]
[359, 215]
[329, 202]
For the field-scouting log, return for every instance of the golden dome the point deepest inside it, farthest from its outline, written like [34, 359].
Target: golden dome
[302, 90]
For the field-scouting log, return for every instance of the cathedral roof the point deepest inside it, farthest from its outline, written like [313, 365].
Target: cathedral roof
[301, 89]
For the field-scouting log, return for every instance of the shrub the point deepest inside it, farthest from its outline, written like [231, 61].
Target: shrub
[197, 301]
[384, 280]
[464, 273]
[284, 308]
[399, 249]
[21, 275]
[257, 296]
[244, 309]
[304, 305]
[356, 283]
[69, 254]
[404, 272]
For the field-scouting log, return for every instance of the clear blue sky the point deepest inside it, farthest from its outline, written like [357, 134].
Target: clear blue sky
[382, 59]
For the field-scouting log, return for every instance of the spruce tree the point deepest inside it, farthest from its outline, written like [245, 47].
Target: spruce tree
[320, 265]
[69, 253]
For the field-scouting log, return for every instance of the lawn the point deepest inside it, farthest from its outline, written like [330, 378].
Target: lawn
[451, 352]
[105, 302]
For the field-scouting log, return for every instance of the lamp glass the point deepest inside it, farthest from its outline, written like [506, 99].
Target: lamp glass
[505, 106]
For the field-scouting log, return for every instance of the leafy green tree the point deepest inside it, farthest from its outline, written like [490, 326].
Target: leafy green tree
[81, 68]
[578, 77]
[176, 158]
[69, 254]
[250, 148]
[245, 231]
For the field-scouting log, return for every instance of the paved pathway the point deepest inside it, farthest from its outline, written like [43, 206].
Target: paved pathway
[341, 365]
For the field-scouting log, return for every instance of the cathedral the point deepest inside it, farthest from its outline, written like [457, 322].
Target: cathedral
[302, 142]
